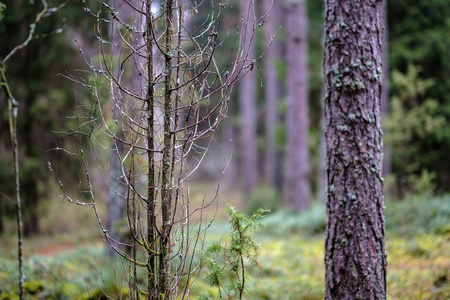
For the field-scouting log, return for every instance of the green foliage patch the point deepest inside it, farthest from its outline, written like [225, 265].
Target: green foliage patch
[415, 126]
[284, 222]
[418, 215]
[79, 274]
[289, 251]
[225, 261]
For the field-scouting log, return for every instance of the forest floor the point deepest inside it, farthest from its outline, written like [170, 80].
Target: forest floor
[69, 261]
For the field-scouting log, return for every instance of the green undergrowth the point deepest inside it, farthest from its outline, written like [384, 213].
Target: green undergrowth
[419, 215]
[83, 273]
[290, 261]
[292, 247]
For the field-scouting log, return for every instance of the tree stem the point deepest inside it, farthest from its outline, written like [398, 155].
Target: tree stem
[151, 199]
[13, 107]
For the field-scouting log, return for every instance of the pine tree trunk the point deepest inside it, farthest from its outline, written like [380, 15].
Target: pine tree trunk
[355, 256]
[247, 100]
[272, 89]
[297, 167]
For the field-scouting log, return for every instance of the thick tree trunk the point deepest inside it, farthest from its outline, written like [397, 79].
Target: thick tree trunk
[297, 166]
[355, 256]
[247, 100]
[272, 88]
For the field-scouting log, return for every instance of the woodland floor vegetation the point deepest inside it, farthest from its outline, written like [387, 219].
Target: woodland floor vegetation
[68, 261]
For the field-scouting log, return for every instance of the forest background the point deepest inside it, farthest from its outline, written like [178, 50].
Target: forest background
[417, 140]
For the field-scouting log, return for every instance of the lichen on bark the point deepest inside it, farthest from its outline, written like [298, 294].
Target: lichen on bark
[355, 256]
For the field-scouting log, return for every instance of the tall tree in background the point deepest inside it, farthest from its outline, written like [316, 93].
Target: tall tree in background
[297, 165]
[272, 89]
[322, 168]
[420, 93]
[29, 73]
[247, 101]
[385, 92]
[355, 256]
[129, 79]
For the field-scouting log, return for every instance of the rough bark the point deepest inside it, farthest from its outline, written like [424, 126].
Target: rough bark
[151, 184]
[355, 256]
[272, 90]
[247, 100]
[166, 187]
[297, 166]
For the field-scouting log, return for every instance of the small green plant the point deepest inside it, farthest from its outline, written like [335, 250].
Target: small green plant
[225, 261]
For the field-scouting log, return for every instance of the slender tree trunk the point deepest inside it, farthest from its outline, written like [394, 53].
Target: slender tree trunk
[355, 256]
[151, 184]
[297, 166]
[166, 191]
[13, 109]
[247, 100]
[18, 208]
[272, 89]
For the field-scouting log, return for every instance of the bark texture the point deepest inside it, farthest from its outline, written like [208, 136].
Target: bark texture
[151, 184]
[247, 100]
[272, 89]
[297, 167]
[355, 256]
[166, 188]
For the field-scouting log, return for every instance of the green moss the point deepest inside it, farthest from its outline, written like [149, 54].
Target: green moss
[9, 296]
[34, 287]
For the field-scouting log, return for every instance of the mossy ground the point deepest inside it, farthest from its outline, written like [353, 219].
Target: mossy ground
[72, 265]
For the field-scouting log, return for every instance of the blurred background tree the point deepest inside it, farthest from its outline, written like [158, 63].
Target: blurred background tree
[416, 128]
[419, 46]
[46, 99]
[419, 86]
